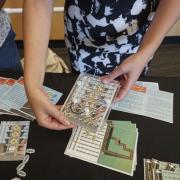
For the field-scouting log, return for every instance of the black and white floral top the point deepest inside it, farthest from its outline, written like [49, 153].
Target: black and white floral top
[5, 26]
[100, 34]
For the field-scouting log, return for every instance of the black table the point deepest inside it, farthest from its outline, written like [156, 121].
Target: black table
[157, 139]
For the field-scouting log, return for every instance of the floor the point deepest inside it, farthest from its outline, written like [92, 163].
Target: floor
[166, 61]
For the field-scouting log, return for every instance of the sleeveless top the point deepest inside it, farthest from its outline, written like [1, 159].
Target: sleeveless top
[100, 34]
[9, 56]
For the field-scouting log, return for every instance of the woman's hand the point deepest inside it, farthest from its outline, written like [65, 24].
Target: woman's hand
[127, 73]
[47, 114]
[131, 68]
[35, 48]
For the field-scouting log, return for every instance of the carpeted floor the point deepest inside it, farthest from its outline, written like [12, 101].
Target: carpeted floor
[166, 61]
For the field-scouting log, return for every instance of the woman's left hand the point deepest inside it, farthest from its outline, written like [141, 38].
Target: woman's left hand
[127, 73]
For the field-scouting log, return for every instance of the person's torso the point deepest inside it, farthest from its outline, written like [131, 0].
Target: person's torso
[101, 33]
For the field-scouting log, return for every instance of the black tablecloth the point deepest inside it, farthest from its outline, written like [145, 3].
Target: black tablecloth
[157, 139]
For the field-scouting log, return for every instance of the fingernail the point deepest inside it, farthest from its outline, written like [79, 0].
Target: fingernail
[68, 123]
[116, 99]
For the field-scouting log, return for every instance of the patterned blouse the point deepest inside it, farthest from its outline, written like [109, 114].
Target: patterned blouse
[100, 34]
[5, 26]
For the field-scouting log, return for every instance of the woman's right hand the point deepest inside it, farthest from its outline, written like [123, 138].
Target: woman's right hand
[47, 114]
[37, 19]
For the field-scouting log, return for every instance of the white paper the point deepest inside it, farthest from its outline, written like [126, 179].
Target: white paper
[150, 85]
[151, 102]
[87, 146]
[4, 87]
[159, 105]
[15, 99]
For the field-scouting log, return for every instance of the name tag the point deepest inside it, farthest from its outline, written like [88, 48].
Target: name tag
[132, 27]
[151, 16]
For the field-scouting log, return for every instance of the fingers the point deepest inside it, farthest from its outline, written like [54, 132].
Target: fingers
[122, 92]
[113, 75]
[53, 124]
[59, 116]
[47, 114]
[126, 85]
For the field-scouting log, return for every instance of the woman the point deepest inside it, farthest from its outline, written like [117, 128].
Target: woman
[9, 57]
[102, 33]
[110, 37]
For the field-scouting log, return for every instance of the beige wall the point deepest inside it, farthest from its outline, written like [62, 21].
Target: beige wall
[57, 31]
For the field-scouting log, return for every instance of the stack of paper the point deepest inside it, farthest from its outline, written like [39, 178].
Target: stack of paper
[13, 140]
[158, 170]
[13, 99]
[146, 99]
[114, 147]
